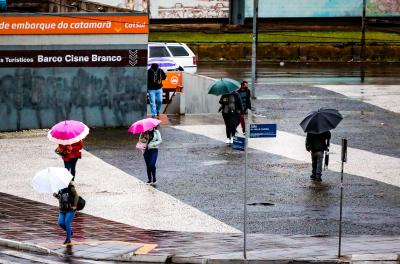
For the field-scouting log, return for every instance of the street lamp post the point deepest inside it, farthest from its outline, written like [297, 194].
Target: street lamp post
[254, 50]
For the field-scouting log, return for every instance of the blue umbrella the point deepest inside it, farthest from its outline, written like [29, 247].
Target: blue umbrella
[163, 63]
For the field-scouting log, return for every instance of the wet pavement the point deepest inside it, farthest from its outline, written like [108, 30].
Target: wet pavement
[97, 238]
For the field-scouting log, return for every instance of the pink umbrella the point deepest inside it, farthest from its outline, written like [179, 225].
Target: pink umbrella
[68, 132]
[143, 125]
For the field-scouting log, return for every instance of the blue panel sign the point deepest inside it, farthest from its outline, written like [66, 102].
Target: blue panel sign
[3, 4]
[262, 130]
[238, 143]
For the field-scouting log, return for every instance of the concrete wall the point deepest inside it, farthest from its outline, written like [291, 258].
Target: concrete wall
[197, 99]
[37, 94]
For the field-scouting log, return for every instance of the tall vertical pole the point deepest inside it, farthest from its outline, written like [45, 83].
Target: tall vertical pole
[254, 50]
[247, 124]
[363, 24]
[344, 159]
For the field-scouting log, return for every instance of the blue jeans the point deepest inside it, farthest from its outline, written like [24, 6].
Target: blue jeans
[155, 98]
[65, 222]
[150, 157]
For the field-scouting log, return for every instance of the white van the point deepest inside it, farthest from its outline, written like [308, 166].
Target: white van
[178, 52]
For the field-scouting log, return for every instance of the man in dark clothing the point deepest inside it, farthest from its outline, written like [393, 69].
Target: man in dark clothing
[244, 94]
[317, 144]
[155, 76]
[231, 107]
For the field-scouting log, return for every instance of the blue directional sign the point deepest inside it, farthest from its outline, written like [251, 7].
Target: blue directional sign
[238, 143]
[3, 4]
[262, 130]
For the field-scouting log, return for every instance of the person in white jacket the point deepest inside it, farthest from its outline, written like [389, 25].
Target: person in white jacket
[152, 138]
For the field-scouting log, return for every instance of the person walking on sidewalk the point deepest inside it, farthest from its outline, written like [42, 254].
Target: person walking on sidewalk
[152, 138]
[231, 107]
[68, 202]
[70, 155]
[244, 94]
[317, 144]
[155, 76]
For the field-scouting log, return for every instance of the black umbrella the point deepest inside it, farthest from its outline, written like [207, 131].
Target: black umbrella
[320, 121]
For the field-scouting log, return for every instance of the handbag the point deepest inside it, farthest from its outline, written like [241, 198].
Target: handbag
[59, 151]
[141, 145]
[81, 203]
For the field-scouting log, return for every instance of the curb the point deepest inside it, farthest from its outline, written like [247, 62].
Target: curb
[27, 247]
[130, 257]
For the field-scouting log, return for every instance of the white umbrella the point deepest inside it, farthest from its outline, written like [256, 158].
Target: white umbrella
[51, 180]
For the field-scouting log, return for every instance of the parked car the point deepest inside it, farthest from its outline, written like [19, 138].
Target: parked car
[178, 52]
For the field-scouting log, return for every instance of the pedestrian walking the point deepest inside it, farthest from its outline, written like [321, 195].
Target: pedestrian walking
[70, 155]
[155, 76]
[317, 125]
[244, 94]
[231, 107]
[316, 144]
[68, 203]
[152, 139]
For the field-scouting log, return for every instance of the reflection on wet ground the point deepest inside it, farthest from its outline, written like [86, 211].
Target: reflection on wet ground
[306, 73]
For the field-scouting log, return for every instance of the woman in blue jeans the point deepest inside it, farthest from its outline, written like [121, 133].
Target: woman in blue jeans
[68, 202]
[153, 140]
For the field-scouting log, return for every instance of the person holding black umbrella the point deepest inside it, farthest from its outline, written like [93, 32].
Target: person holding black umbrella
[317, 125]
[317, 144]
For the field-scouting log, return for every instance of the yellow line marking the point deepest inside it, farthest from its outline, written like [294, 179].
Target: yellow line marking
[145, 249]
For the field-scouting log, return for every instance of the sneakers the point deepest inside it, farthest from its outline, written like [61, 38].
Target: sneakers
[313, 177]
[148, 182]
[228, 141]
[231, 140]
[153, 183]
[67, 241]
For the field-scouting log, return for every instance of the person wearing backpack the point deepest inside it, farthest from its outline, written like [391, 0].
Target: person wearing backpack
[155, 76]
[68, 203]
[152, 139]
[231, 107]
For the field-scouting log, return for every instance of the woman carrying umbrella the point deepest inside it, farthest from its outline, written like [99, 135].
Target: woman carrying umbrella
[58, 181]
[231, 105]
[150, 138]
[69, 134]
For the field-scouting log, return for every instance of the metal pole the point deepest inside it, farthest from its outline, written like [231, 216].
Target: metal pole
[341, 210]
[344, 159]
[247, 125]
[254, 50]
[363, 24]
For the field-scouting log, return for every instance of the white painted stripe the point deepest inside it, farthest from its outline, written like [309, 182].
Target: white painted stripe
[384, 96]
[109, 192]
[360, 162]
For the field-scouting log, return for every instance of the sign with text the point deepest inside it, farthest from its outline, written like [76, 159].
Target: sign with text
[3, 4]
[262, 130]
[73, 58]
[60, 25]
[238, 143]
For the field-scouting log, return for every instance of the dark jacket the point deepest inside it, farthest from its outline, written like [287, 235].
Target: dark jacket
[318, 142]
[230, 103]
[245, 98]
[155, 75]
[74, 197]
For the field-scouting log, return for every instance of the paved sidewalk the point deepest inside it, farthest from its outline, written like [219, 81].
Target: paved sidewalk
[96, 238]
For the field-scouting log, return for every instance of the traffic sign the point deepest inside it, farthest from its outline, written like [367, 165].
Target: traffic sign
[238, 143]
[262, 130]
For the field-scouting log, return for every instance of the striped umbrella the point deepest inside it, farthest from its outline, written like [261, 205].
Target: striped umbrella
[163, 63]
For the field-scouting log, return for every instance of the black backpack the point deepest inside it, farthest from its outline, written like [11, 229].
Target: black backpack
[65, 200]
